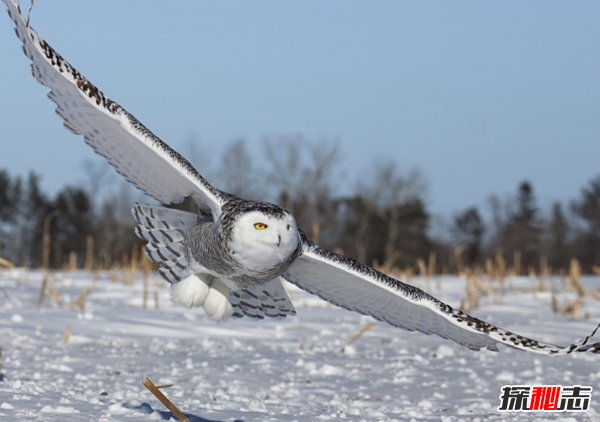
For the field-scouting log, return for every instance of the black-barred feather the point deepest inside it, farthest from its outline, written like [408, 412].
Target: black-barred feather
[265, 300]
[164, 229]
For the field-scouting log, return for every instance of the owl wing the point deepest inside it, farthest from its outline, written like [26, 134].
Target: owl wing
[132, 149]
[262, 300]
[357, 287]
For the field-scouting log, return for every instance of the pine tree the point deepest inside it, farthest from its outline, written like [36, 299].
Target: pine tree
[558, 245]
[522, 233]
[588, 237]
[468, 230]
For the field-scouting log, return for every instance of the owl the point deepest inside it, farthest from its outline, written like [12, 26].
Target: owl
[232, 256]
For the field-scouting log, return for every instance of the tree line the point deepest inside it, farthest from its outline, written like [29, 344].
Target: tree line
[382, 218]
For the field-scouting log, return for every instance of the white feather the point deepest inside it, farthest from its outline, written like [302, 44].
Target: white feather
[217, 304]
[191, 291]
[204, 290]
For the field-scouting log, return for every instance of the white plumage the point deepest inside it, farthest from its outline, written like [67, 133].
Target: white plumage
[232, 257]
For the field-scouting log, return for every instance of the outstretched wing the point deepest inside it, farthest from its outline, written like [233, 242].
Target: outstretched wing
[135, 152]
[358, 287]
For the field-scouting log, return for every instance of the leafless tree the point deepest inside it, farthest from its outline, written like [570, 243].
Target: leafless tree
[384, 192]
[237, 175]
[301, 174]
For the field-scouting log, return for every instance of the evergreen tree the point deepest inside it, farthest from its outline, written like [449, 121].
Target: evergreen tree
[588, 206]
[588, 237]
[526, 213]
[73, 224]
[558, 248]
[468, 230]
[10, 202]
[33, 212]
[522, 232]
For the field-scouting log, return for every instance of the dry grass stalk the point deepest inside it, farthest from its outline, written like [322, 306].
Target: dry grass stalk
[422, 268]
[358, 335]
[500, 269]
[554, 303]
[407, 275]
[133, 263]
[42, 293]
[146, 270]
[156, 303]
[516, 268]
[536, 282]
[458, 251]
[574, 277]
[89, 253]
[573, 309]
[595, 294]
[544, 272]
[473, 291]
[489, 269]
[388, 266]
[54, 294]
[483, 283]
[72, 261]
[107, 261]
[46, 239]
[164, 400]
[424, 274]
[596, 270]
[80, 301]
[67, 335]
[338, 250]
[315, 232]
[112, 274]
[431, 264]
[6, 263]
[544, 267]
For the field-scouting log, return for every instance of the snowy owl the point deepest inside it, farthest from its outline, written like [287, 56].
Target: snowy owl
[231, 257]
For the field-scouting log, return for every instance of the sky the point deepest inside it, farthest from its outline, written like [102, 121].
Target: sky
[477, 95]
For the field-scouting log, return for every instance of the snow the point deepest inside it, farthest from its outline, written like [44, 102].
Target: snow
[62, 364]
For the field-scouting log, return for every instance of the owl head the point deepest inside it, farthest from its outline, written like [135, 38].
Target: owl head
[261, 236]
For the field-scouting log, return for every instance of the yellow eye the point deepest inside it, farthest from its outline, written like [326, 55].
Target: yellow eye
[260, 226]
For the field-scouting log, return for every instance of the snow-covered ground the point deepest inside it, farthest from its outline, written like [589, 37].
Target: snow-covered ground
[267, 370]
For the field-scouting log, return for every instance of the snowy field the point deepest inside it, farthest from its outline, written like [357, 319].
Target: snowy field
[61, 364]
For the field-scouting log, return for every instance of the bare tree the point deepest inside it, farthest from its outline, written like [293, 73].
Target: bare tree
[201, 155]
[387, 193]
[237, 174]
[300, 173]
[99, 176]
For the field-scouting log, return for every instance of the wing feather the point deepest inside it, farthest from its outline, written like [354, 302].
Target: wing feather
[262, 300]
[133, 150]
[358, 287]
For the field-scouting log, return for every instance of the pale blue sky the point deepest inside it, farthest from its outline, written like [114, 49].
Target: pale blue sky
[477, 94]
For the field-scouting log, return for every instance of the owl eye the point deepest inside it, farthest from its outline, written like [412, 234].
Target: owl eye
[260, 226]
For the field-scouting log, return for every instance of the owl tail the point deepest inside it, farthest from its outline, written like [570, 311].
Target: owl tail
[164, 229]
